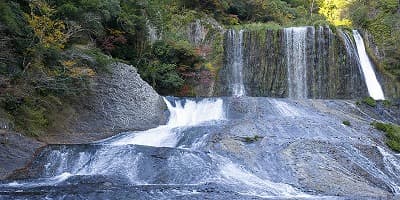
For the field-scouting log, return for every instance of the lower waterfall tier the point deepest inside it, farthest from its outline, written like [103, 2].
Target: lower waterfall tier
[255, 148]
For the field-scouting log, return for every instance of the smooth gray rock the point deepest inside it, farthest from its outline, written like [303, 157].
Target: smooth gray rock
[120, 100]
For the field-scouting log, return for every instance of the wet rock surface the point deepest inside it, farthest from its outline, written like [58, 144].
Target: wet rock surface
[267, 148]
[16, 151]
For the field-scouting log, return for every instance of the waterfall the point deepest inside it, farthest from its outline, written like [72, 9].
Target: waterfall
[296, 59]
[183, 113]
[351, 49]
[152, 31]
[190, 112]
[297, 62]
[235, 61]
[374, 88]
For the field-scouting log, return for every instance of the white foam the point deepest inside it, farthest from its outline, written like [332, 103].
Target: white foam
[183, 114]
[261, 187]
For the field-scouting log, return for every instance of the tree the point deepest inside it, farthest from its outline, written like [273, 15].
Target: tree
[50, 32]
[335, 11]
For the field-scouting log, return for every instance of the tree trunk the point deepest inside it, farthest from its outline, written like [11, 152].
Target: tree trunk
[312, 7]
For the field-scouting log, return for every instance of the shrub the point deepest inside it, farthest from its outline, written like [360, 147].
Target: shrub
[102, 61]
[387, 103]
[369, 101]
[392, 134]
[252, 139]
[31, 119]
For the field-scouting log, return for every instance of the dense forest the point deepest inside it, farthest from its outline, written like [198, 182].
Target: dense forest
[51, 50]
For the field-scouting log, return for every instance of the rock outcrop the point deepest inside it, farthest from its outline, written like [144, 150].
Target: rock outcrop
[119, 101]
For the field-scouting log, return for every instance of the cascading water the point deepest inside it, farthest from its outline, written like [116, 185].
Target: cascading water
[266, 148]
[296, 60]
[374, 88]
[235, 61]
[183, 113]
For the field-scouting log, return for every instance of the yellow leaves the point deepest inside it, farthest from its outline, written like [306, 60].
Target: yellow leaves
[68, 63]
[77, 71]
[115, 32]
[335, 11]
[51, 33]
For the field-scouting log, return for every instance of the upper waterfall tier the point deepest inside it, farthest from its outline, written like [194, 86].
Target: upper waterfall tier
[301, 62]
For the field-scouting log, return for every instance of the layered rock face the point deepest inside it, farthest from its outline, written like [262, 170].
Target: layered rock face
[120, 101]
[301, 62]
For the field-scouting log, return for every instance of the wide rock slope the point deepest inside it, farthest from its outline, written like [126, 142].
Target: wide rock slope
[264, 148]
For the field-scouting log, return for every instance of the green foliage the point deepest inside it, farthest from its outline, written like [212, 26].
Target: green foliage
[102, 61]
[369, 101]
[162, 76]
[387, 103]
[68, 10]
[392, 134]
[381, 20]
[11, 16]
[29, 116]
[31, 119]
[259, 26]
[346, 122]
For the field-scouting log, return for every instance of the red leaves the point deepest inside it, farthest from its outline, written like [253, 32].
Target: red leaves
[109, 43]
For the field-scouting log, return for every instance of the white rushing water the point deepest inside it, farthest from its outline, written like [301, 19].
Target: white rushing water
[235, 49]
[374, 88]
[152, 32]
[296, 59]
[184, 113]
